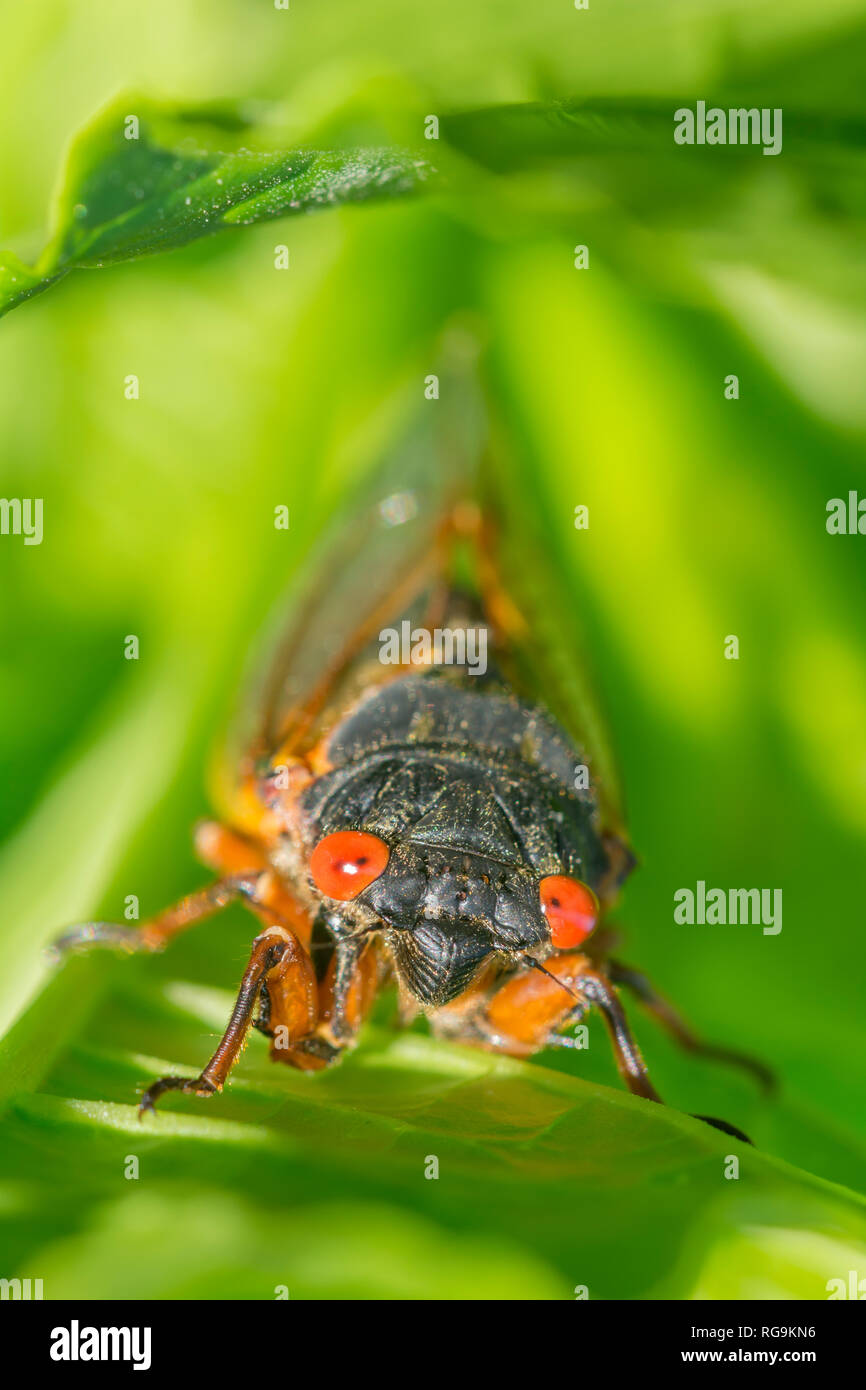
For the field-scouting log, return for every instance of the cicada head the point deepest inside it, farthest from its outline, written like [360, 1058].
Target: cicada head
[451, 865]
[443, 914]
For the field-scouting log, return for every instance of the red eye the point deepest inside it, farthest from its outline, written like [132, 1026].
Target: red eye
[571, 909]
[347, 862]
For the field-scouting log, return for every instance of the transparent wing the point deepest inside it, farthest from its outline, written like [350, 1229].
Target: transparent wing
[397, 554]
[379, 561]
[545, 655]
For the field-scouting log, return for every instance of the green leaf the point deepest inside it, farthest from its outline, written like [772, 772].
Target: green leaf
[18, 282]
[135, 190]
[675, 213]
[536, 1176]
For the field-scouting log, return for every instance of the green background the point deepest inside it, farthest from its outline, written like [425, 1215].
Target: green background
[603, 387]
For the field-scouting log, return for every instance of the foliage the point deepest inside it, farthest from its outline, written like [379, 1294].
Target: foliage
[602, 388]
[140, 183]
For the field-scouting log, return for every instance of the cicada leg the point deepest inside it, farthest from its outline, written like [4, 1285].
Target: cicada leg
[279, 977]
[349, 988]
[289, 1012]
[246, 875]
[156, 934]
[227, 851]
[676, 1026]
[277, 954]
[631, 1066]
[525, 1013]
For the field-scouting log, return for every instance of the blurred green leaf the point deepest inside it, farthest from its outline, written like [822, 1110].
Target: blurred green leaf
[535, 1172]
[610, 172]
[133, 190]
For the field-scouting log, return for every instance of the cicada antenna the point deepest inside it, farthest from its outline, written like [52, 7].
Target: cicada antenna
[536, 965]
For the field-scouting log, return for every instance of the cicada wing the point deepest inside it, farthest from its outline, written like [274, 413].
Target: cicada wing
[378, 562]
[392, 556]
[544, 652]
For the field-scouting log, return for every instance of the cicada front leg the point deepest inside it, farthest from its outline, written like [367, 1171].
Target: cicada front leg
[527, 1012]
[155, 934]
[279, 979]
[238, 861]
[349, 988]
[243, 865]
[277, 956]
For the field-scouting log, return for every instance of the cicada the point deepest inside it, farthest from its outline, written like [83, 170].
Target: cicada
[413, 805]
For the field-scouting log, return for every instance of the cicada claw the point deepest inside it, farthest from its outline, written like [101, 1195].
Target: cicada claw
[725, 1128]
[189, 1086]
